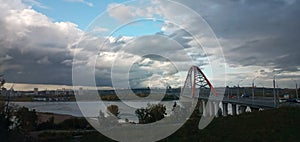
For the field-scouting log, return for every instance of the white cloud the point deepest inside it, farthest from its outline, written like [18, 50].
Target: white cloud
[82, 1]
[35, 3]
[34, 41]
[44, 61]
[31, 41]
[33, 44]
[121, 12]
[125, 13]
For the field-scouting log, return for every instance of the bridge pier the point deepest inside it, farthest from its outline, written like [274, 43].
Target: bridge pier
[216, 108]
[200, 107]
[225, 109]
[211, 108]
[253, 109]
[233, 109]
[204, 112]
[242, 109]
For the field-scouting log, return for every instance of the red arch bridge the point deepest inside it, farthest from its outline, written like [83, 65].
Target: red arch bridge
[211, 99]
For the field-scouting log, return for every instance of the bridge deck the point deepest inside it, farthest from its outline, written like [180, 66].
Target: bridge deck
[256, 102]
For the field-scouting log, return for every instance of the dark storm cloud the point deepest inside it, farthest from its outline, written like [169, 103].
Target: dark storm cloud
[281, 53]
[252, 32]
[33, 49]
[260, 32]
[37, 66]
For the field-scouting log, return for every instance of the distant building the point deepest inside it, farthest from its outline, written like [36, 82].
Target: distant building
[80, 92]
[36, 91]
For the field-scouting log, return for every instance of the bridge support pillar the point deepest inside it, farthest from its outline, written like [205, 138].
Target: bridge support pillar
[204, 112]
[233, 109]
[253, 109]
[216, 108]
[242, 109]
[200, 107]
[211, 108]
[225, 109]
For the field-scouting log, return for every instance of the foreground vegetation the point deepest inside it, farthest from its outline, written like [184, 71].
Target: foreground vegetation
[277, 125]
[270, 125]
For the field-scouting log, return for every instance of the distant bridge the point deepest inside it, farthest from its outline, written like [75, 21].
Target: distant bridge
[198, 86]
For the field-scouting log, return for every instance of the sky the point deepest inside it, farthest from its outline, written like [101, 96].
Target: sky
[150, 42]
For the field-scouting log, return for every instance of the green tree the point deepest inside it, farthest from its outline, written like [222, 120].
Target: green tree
[157, 112]
[7, 131]
[114, 110]
[151, 114]
[26, 119]
[4, 117]
[144, 115]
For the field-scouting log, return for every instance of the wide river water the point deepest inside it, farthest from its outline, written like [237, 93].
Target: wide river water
[91, 109]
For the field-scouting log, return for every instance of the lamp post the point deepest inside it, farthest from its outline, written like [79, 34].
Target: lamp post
[238, 93]
[274, 89]
[253, 88]
[228, 90]
[229, 93]
[277, 92]
[263, 89]
[296, 88]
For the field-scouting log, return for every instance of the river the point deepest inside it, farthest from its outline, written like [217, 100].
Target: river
[92, 108]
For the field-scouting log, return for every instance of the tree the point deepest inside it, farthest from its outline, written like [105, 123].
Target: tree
[7, 131]
[27, 120]
[49, 124]
[5, 119]
[108, 121]
[144, 115]
[151, 114]
[114, 110]
[157, 112]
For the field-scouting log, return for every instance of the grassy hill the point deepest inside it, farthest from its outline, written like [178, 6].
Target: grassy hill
[276, 125]
[282, 125]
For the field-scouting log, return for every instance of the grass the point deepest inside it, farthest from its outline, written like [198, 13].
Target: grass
[280, 125]
[277, 125]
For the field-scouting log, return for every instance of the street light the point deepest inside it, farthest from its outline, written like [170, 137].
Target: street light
[296, 88]
[274, 88]
[274, 91]
[253, 87]
[263, 88]
[229, 90]
[238, 91]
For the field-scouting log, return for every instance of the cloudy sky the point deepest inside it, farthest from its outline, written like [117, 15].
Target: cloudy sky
[258, 38]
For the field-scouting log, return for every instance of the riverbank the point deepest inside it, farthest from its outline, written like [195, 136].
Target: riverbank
[57, 118]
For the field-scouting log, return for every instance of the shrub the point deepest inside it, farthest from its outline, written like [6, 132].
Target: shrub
[151, 114]
[114, 110]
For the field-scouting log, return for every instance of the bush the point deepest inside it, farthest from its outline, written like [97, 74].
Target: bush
[49, 124]
[114, 110]
[73, 123]
[151, 114]
[26, 119]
